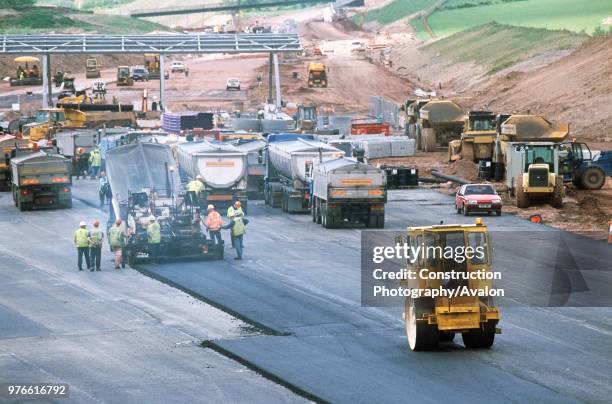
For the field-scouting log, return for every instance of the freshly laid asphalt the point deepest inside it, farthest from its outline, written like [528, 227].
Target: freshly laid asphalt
[121, 337]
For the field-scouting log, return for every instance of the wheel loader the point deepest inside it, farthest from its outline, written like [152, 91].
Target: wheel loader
[533, 173]
[124, 76]
[431, 320]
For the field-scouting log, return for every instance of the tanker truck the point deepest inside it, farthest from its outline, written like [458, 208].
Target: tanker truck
[347, 192]
[288, 168]
[223, 169]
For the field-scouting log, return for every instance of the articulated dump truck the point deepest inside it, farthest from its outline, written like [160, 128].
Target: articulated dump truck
[431, 320]
[146, 184]
[434, 122]
[223, 169]
[289, 162]
[317, 74]
[41, 179]
[347, 192]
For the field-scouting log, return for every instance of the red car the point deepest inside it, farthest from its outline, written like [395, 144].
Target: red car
[480, 198]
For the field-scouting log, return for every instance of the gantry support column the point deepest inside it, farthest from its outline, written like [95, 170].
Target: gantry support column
[277, 82]
[47, 95]
[162, 83]
[270, 63]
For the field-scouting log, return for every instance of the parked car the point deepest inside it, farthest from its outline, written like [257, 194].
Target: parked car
[480, 198]
[232, 84]
[178, 67]
[140, 74]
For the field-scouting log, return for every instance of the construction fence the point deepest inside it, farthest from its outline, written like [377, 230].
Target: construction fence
[386, 111]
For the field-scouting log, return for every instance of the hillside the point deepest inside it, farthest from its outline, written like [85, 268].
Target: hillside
[60, 19]
[573, 15]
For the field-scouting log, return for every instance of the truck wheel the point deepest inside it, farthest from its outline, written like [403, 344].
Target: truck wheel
[446, 336]
[556, 199]
[318, 218]
[465, 211]
[329, 221]
[482, 337]
[522, 198]
[421, 336]
[593, 178]
[371, 223]
[577, 182]
[131, 258]
[313, 211]
[68, 205]
[418, 136]
[428, 140]
[380, 221]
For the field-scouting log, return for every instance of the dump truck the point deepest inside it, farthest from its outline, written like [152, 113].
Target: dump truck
[347, 192]
[145, 184]
[8, 144]
[92, 69]
[317, 74]
[151, 63]
[41, 179]
[255, 166]
[430, 320]
[288, 163]
[28, 72]
[438, 123]
[223, 169]
[532, 173]
[411, 108]
[477, 139]
[124, 76]
[526, 128]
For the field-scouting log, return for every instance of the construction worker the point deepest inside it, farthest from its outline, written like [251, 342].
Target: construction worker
[81, 241]
[104, 189]
[35, 72]
[213, 224]
[116, 238]
[234, 210]
[237, 226]
[196, 185]
[95, 161]
[96, 236]
[82, 163]
[153, 238]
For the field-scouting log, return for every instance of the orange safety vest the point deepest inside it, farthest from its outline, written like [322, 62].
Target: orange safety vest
[213, 221]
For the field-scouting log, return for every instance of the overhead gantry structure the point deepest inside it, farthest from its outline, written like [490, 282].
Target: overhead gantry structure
[47, 45]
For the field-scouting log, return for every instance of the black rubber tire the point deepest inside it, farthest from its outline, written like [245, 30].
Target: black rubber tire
[522, 199]
[482, 337]
[428, 140]
[457, 209]
[131, 259]
[498, 212]
[556, 199]
[577, 182]
[313, 212]
[593, 178]
[319, 219]
[380, 221]
[420, 336]
[465, 211]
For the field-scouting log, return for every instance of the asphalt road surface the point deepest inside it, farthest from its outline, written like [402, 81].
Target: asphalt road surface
[119, 336]
[113, 336]
[303, 282]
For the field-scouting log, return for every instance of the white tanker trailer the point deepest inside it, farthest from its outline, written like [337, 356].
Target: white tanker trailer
[289, 160]
[223, 169]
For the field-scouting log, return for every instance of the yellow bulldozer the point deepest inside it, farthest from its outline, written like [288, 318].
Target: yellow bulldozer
[317, 74]
[471, 312]
[124, 76]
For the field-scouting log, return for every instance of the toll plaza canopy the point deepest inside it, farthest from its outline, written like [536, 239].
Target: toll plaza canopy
[202, 43]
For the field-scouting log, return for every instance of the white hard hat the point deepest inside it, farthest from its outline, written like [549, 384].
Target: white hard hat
[151, 218]
[82, 224]
[198, 177]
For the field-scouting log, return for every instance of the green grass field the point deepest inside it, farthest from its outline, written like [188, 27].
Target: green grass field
[573, 15]
[396, 10]
[42, 19]
[498, 46]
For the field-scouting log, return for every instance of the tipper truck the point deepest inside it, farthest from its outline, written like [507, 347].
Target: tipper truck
[255, 166]
[8, 144]
[41, 180]
[345, 191]
[223, 169]
[433, 122]
[289, 160]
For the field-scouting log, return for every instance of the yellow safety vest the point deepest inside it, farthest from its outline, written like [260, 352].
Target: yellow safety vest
[195, 186]
[154, 233]
[96, 160]
[81, 237]
[116, 236]
[238, 228]
[96, 237]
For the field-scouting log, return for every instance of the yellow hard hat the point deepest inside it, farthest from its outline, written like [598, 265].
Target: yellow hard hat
[210, 207]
